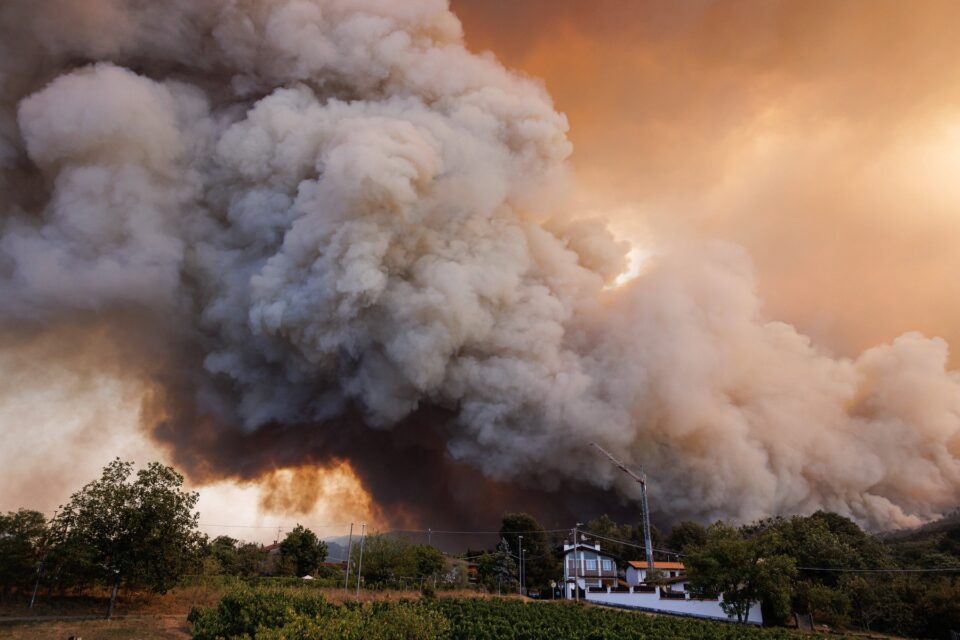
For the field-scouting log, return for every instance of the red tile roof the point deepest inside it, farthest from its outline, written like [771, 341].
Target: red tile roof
[642, 564]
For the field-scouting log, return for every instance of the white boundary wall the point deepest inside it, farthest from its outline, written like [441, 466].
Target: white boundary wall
[653, 602]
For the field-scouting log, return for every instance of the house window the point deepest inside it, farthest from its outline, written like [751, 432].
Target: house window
[591, 565]
[608, 565]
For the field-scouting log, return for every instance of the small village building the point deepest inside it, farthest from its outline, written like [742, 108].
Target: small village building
[637, 571]
[585, 566]
[596, 577]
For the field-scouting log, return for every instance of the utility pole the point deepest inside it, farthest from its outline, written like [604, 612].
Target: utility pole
[642, 481]
[576, 563]
[346, 574]
[43, 556]
[520, 545]
[363, 535]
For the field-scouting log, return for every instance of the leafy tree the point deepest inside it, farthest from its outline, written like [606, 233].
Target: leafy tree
[139, 532]
[223, 549]
[22, 536]
[385, 558]
[938, 608]
[740, 569]
[389, 558]
[540, 566]
[829, 605]
[684, 535]
[498, 571]
[867, 601]
[632, 546]
[302, 552]
[250, 559]
[429, 560]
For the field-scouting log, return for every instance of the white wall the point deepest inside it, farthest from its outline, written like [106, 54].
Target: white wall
[653, 602]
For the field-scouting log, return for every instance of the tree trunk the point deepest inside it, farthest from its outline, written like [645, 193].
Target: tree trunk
[113, 597]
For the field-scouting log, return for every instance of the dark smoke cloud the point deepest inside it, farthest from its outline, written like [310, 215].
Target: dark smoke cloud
[348, 234]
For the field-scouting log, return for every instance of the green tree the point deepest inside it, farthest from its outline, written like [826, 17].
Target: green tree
[829, 605]
[223, 549]
[741, 570]
[867, 602]
[825, 540]
[250, 559]
[622, 540]
[385, 558]
[389, 558]
[540, 566]
[498, 571]
[684, 535]
[429, 560]
[22, 536]
[302, 551]
[138, 532]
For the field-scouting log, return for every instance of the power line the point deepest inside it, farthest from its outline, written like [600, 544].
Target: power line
[509, 533]
[910, 570]
[273, 526]
[631, 544]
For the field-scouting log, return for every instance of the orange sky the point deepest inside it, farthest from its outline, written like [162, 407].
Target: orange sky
[824, 137]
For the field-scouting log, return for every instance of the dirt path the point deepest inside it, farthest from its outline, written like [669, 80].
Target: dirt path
[152, 627]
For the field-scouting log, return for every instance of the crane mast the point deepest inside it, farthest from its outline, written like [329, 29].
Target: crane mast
[642, 481]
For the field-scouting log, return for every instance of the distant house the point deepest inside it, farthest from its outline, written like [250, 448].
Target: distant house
[596, 577]
[637, 570]
[585, 566]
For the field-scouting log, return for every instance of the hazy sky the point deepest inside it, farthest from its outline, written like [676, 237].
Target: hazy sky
[822, 137]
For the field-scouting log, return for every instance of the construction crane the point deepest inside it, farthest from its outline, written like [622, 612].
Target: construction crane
[642, 481]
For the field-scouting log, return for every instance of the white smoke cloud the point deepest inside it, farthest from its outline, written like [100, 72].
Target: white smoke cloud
[336, 205]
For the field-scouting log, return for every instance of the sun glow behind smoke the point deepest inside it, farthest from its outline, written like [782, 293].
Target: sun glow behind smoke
[637, 258]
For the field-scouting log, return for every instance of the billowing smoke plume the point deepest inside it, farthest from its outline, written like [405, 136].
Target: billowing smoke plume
[323, 230]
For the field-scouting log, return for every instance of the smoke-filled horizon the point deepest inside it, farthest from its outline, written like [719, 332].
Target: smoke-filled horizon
[318, 232]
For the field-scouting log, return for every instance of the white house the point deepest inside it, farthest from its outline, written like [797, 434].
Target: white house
[585, 566]
[637, 570]
[600, 581]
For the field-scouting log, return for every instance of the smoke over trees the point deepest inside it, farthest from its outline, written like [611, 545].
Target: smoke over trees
[323, 230]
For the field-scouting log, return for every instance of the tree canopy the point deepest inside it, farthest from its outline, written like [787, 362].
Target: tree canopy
[742, 569]
[138, 531]
[302, 552]
[389, 559]
[540, 565]
[22, 537]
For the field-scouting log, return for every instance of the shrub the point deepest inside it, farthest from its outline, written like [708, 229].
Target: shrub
[243, 611]
[375, 621]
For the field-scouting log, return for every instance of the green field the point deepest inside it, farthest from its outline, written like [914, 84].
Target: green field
[269, 614]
